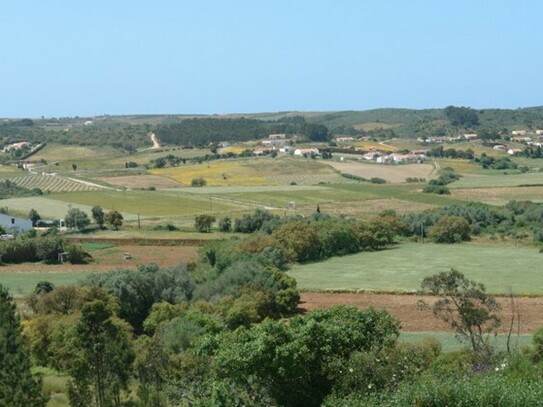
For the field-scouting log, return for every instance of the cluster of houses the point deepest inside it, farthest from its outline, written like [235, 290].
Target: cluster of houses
[21, 145]
[395, 158]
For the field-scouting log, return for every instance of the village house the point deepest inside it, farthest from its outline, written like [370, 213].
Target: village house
[273, 142]
[521, 139]
[499, 147]
[512, 151]
[470, 136]
[518, 133]
[14, 225]
[344, 139]
[300, 152]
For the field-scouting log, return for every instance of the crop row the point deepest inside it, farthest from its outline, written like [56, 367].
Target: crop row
[52, 183]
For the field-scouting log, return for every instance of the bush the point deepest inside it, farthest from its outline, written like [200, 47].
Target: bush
[198, 182]
[450, 229]
[377, 180]
[225, 225]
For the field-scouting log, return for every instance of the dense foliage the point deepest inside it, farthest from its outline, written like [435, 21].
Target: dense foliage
[18, 388]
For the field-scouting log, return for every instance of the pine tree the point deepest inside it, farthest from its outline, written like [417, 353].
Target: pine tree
[18, 388]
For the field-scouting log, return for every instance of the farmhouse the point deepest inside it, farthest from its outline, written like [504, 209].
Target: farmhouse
[499, 147]
[470, 136]
[518, 132]
[512, 151]
[15, 225]
[300, 152]
[273, 142]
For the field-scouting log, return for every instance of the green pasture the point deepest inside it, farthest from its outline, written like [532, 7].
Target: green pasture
[149, 203]
[49, 208]
[402, 268]
[498, 179]
[19, 283]
[60, 158]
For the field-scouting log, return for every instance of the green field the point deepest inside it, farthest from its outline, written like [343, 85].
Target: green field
[19, 283]
[498, 179]
[403, 267]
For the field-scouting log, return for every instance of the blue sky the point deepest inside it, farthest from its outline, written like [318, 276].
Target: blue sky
[67, 58]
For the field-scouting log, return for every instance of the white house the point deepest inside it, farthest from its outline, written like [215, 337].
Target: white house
[306, 151]
[518, 132]
[14, 225]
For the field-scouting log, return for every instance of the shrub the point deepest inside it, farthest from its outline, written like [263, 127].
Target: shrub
[450, 229]
[377, 180]
[198, 182]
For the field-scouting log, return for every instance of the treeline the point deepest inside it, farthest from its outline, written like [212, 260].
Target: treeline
[118, 135]
[454, 223]
[298, 239]
[203, 131]
[28, 247]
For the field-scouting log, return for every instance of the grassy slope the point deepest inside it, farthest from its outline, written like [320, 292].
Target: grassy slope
[403, 267]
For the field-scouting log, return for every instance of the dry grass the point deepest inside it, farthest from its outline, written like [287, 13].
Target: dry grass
[373, 144]
[373, 126]
[363, 209]
[460, 166]
[499, 196]
[250, 172]
[392, 173]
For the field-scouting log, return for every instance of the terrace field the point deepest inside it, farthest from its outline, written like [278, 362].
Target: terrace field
[402, 268]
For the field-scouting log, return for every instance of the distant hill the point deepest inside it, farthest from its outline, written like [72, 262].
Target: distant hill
[131, 131]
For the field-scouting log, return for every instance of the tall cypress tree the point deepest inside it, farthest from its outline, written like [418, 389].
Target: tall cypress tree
[18, 388]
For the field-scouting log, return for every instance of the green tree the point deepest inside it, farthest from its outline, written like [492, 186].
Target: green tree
[316, 132]
[318, 343]
[202, 223]
[114, 219]
[98, 216]
[300, 240]
[76, 219]
[34, 216]
[450, 229]
[18, 388]
[104, 354]
[465, 306]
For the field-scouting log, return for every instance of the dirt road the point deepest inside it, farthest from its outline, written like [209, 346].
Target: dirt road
[156, 144]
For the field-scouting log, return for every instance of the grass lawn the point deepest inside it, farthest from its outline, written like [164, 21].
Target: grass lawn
[403, 268]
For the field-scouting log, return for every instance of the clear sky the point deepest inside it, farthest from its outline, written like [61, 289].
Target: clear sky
[83, 57]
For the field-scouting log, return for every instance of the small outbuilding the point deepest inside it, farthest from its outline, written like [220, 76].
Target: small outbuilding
[15, 225]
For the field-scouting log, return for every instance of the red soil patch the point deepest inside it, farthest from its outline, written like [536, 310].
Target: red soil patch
[404, 308]
[113, 258]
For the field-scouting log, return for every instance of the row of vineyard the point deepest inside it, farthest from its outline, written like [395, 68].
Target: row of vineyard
[52, 183]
